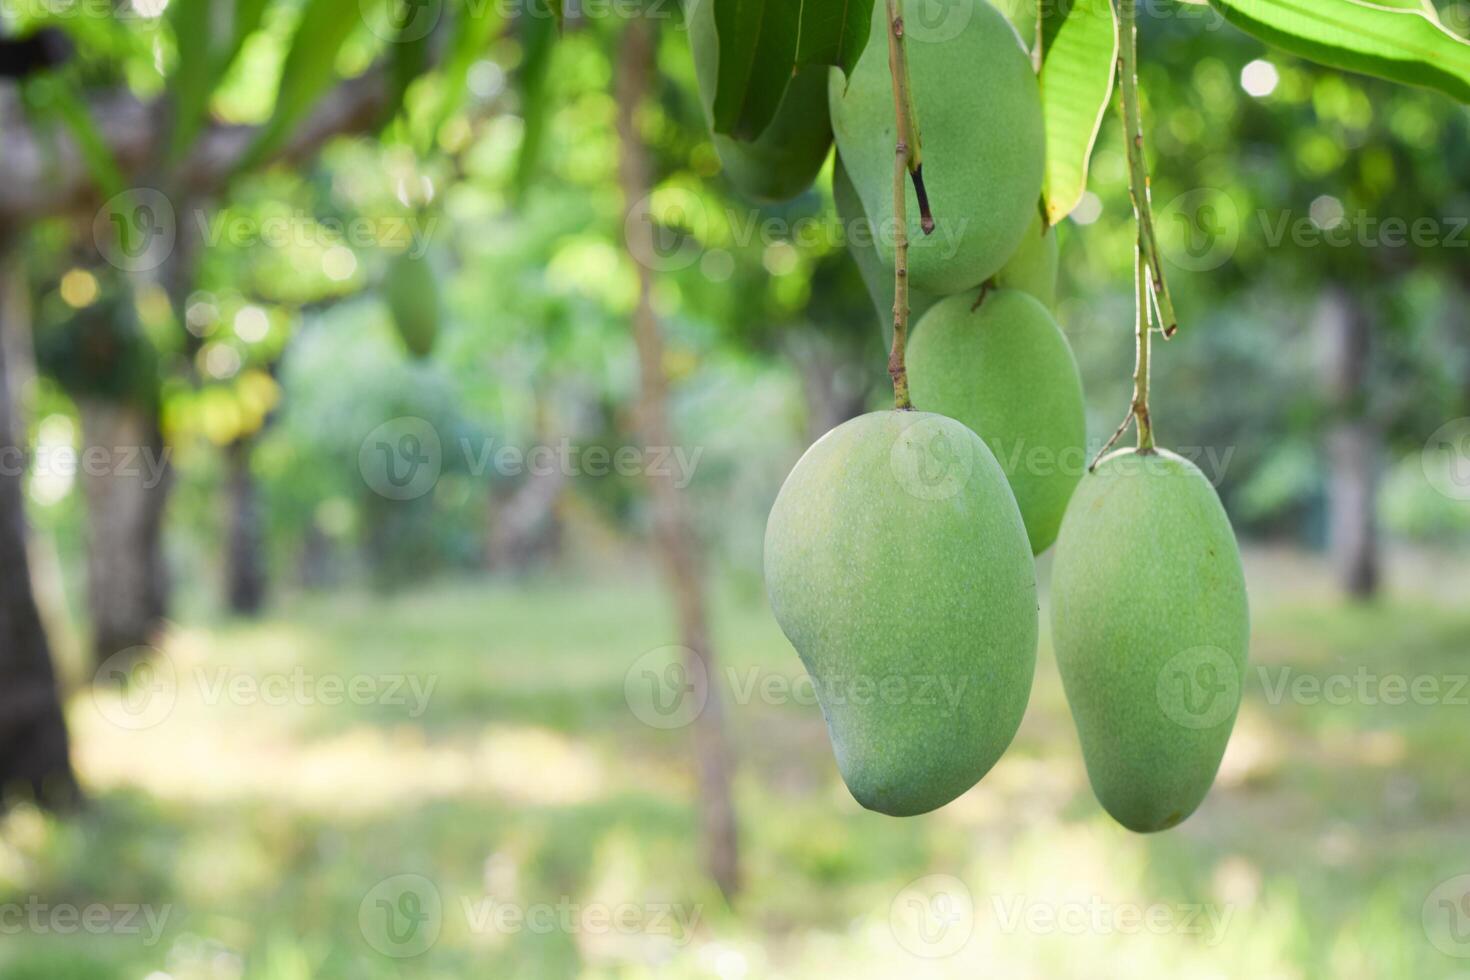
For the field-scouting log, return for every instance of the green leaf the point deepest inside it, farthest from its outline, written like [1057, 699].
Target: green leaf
[203, 63]
[64, 96]
[310, 68]
[190, 84]
[246, 17]
[1078, 66]
[1392, 39]
[408, 55]
[539, 40]
[763, 42]
[477, 22]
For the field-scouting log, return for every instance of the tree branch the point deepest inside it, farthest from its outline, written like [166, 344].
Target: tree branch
[44, 174]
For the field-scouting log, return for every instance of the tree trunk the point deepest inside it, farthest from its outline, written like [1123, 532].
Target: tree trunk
[523, 523]
[833, 380]
[245, 573]
[674, 528]
[34, 756]
[126, 477]
[1353, 443]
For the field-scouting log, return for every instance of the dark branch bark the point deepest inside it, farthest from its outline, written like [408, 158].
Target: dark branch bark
[42, 176]
[34, 756]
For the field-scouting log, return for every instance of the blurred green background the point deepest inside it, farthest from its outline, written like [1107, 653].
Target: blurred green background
[385, 622]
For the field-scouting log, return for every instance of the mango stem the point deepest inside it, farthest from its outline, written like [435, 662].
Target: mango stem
[902, 110]
[1138, 180]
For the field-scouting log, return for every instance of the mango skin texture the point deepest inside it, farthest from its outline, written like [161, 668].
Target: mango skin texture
[979, 111]
[785, 159]
[1151, 627]
[412, 294]
[1006, 371]
[859, 235]
[1033, 269]
[897, 565]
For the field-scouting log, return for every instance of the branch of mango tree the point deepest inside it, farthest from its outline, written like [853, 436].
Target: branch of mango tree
[44, 174]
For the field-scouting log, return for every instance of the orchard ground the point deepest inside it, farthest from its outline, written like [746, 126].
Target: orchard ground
[451, 783]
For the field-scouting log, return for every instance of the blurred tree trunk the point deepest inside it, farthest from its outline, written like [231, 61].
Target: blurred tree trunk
[316, 561]
[126, 478]
[245, 571]
[19, 358]
[1353, 443]
[34, 755]
[523, 523]
[674, 526]
[834, 381]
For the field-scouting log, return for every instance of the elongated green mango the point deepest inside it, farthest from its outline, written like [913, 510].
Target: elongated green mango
[1005, 370]
[1033, 269]
[1151, 627]
[859, 235]
[785, 159]
[897, 565]
[979, 117]
[412, 294]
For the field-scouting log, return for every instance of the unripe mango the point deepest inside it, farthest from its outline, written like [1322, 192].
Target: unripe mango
[859, 235]
[897, 565]
[412, 295]
[979, 117]
[1033, 269]
[1151, 627]
[786, 157]
[1005, 370]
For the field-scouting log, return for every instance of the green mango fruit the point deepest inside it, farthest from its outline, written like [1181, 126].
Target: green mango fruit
[1005, 370]
[1151, 625]
[412, 294]
[897, 565]
[979, 116]
[785, 159]
[1033, 269]
[858, 233]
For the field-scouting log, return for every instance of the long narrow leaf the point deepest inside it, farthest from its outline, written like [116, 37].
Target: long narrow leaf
[310, 68]
[539, 39]
[74, 114]
[763, 42]
[477, 21]
[1078, 65]
[190, 85]
[1395, 40]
